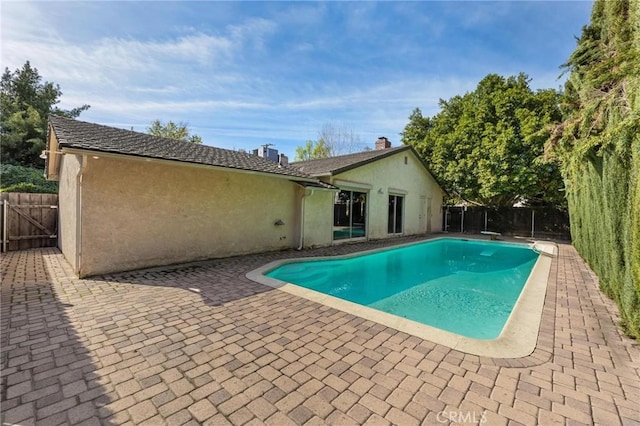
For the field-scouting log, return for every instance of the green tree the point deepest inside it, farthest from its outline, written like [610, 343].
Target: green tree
[312, 151]
[417, 129]
[598, 147]
[24, 142]
[25, 179]
[25, 105]
[487, 146]
[172, 130]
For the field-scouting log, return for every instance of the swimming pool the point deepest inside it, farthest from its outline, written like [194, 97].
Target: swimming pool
[464, 299]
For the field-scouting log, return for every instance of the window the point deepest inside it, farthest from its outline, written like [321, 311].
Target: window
[349, 215]
[395, 214]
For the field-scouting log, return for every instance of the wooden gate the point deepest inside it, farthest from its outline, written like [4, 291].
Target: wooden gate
[29, 220]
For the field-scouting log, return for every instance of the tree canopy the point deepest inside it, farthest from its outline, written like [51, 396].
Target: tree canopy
[172, 130]
[417, 128]
[487, 146]
[25, 179]
[25, 105]
[598, 100]
[312, 150]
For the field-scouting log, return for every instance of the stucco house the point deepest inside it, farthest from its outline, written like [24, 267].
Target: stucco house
[383, 192]
[129, 200]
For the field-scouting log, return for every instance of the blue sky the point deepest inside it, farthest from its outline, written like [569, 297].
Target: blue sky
[242, 74]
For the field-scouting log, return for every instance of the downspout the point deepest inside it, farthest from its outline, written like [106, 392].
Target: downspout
[302, 203]
[83, 166]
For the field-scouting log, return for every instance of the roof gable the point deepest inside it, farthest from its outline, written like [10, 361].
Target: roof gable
[342, 163]
[82, 135]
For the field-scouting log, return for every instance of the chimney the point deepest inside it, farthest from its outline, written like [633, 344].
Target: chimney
[382, 143]
[267, 153]
[283, 160]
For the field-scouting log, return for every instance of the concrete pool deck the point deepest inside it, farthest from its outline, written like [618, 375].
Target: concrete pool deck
[202, 344]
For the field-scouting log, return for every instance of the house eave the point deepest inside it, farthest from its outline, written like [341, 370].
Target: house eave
[52, 156]
[323, 174]
[317, 187]
[98, 153]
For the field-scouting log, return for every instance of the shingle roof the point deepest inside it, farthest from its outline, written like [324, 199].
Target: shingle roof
[95, 137]
[339, 164]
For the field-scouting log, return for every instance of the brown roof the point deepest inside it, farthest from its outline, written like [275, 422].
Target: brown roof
[342, 163]
[95, 137]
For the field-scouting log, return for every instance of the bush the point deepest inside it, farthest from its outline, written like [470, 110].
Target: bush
[605, 228]
[599, 148]
[25, 179]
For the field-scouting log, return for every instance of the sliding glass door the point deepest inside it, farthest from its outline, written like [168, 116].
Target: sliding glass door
[395, 214]
[349, 215]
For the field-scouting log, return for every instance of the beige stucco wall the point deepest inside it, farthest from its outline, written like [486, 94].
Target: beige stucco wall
[391, 175]
[67, 205]
[139, 213]
[318, 218]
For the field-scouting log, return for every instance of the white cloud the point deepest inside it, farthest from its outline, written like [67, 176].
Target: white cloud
[156, 90]
[302, 47]
[479, 14]
[24, 20]
[112, 60]
[136, 55]
[252, 32]
[302, 15]
[123, 61]
[277, 72]
[124, 106]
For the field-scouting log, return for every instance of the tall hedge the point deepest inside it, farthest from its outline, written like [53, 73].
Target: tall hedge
[598, 146]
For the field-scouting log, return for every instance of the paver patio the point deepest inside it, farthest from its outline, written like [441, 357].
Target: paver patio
[201, 344]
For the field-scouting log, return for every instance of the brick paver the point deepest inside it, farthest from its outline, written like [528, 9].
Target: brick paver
[201, 344]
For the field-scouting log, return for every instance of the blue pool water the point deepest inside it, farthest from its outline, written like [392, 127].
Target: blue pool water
[465, 287]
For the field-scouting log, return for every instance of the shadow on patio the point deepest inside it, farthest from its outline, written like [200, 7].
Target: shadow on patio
[48, 373]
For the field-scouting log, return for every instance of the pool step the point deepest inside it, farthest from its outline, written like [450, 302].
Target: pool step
[488, 252]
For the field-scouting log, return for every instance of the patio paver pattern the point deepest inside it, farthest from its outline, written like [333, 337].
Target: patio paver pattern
[201, 344]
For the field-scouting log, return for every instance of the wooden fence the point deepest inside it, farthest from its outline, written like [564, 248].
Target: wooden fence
[28, 220]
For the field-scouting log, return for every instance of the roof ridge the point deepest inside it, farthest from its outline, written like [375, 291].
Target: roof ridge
[342, 163]
[376, 152]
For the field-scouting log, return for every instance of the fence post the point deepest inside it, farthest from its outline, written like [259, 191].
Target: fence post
[533, 222]
[5, 237]
[462, 220]
[485, 219]
[446, 220]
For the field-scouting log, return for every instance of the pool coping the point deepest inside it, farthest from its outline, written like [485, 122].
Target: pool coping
[518, 338]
